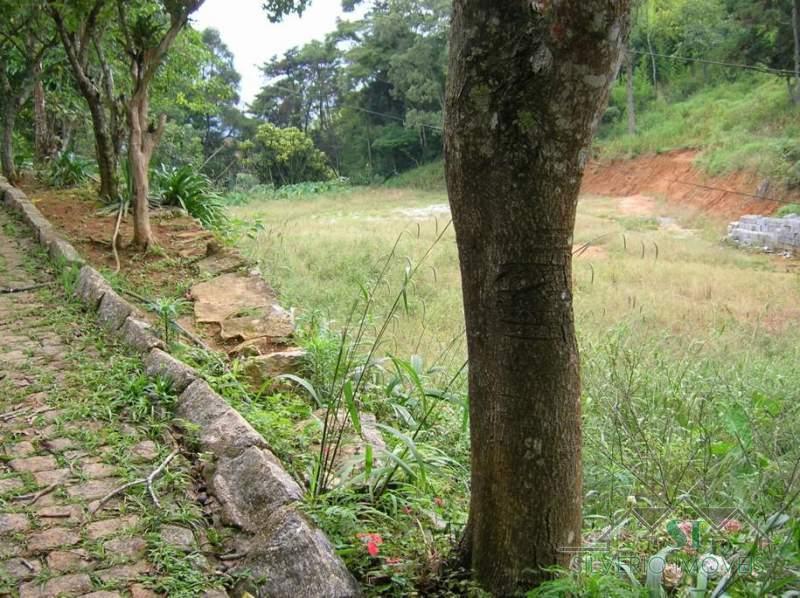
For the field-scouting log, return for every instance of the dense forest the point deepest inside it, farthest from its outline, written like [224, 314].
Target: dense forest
[365, 103]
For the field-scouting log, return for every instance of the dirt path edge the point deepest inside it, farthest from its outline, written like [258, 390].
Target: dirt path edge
[255, 491]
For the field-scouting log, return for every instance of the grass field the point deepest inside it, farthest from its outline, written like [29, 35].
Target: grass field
[658, 271]
[689, 350]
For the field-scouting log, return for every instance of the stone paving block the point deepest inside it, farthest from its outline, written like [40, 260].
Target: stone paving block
[59, 515]
[59, 445]
[32, 464]
[109, 527]
[21, 449]
[178, 537]
[129, 548]
[96, 471]
[13, 522]
[54, 476]
[20, 569]
[68, 561]
[10, 485]
[94, 489]
[66, 585]
[10, 548]
[144, 452]
[124, 572]
[139, 591]
[52, 538]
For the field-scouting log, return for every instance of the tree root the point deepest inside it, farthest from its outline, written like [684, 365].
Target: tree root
[115, 236]
[148, 481]
[9, 290]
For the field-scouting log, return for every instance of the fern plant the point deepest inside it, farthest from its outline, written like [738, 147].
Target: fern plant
[192, 191]
[69, 170]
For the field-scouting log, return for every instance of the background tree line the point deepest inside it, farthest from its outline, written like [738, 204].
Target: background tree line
[364, 103]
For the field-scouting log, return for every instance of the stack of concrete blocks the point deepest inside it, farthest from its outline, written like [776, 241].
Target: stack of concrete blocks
[771, 234]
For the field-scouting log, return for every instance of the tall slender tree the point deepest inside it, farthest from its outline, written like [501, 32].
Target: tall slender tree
[528, 82]
[146, 44]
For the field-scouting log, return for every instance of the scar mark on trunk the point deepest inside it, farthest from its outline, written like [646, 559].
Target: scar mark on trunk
[528, 299]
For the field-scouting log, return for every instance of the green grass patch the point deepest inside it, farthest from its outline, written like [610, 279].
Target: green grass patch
[748, 124]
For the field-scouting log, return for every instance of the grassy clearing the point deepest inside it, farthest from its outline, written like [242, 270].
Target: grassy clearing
[688, 345]
[660, 273]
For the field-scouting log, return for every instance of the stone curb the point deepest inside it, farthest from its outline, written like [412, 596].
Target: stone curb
[254, 490]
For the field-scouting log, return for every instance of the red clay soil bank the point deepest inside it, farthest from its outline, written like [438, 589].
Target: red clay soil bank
[674, 177]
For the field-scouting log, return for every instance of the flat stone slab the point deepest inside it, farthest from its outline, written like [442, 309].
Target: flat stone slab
[243, 305]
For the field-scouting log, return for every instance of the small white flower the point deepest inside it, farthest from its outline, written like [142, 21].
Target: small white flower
[714, 566]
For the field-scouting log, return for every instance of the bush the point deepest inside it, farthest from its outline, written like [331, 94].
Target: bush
[69, 170]
[285, 156]
[296, 191]
[185, 188]
[788, 210]
[428, 177]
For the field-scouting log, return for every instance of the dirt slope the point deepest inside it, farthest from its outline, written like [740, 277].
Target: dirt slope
[673, 176]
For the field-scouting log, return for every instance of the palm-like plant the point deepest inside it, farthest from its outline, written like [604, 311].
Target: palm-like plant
[186, 188]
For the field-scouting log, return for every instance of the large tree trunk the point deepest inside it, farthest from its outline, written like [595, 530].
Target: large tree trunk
[7, 146]
[139, 164]
[528, 83]
[796, 31]
[104, 148]
[631, 100]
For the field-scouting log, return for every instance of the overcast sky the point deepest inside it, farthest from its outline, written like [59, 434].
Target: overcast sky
[253, 40]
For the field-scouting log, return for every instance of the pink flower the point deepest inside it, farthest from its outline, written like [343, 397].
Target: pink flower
[732, 526]
[439, 502]
[372, 548]
[373, 541]
[407, 510]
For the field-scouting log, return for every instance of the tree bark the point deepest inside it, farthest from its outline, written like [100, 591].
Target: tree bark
[796, 31]
[7, 146]
[528, 83]
[141, 143]
[104, 148]
[631, 103]
[43, 145]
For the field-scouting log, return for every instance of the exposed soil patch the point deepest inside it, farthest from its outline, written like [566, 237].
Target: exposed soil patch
[179, 238]
[186, 259]
[673, 176]
[637, 205]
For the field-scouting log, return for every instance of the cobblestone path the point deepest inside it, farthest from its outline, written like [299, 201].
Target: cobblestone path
[77, 421]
